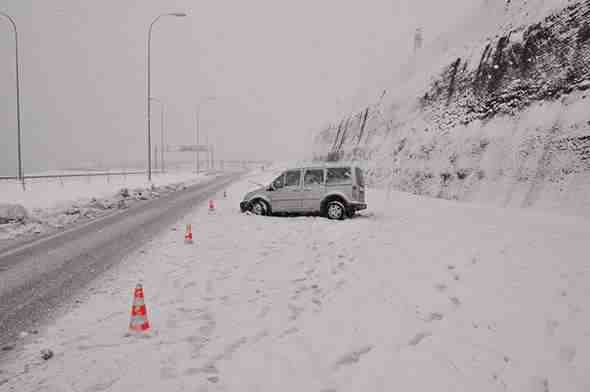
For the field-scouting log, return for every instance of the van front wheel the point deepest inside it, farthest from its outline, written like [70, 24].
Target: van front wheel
[259, 207]
[335, 210]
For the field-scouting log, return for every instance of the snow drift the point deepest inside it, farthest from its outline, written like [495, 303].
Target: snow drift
[396, 299]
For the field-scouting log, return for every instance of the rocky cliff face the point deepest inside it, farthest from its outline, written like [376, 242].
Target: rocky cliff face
[540, 62]
[506, 123]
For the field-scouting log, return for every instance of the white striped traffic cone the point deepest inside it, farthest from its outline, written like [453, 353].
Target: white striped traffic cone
[139, 321]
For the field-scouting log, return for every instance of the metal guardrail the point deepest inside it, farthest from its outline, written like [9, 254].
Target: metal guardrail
[124, 173]
[93, 174]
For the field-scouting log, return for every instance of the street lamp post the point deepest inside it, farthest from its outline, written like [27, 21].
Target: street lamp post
[198, 111]
[149, 140]
[212, 157]
[161, 132]
[21, 176]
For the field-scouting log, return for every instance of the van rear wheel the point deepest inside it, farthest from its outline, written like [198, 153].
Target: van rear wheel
[335, 210]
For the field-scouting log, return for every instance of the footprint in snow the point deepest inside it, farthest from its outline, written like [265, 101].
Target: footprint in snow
[260, 335]
[230, 349]
[352, 357]
[551, 326]
[338, 268]
[418, 338]
[207, 369]
[168, 373]
[434, 317]
[289, 331]
[539, 384]
[295, 311]
[567, 353]
[263, 312]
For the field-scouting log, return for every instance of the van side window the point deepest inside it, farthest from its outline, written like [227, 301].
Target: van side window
[338, 175]
[279, 182]
[292, 178]
[313, 177]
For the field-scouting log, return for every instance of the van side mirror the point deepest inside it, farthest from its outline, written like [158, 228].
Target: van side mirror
[270, 188]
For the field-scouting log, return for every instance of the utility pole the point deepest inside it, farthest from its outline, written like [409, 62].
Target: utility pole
[198, 117]
[418, 39]
[197, 137]
[21, 174]
[212, 158]
[149, 97]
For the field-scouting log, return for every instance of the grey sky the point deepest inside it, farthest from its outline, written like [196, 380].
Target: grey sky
[278, 68]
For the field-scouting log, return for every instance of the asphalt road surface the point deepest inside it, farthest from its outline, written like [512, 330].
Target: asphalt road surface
[39, 278]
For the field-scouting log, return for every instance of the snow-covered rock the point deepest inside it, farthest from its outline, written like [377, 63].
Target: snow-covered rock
[12, 213]
[102, 204]
[124, 192]
[46, 354]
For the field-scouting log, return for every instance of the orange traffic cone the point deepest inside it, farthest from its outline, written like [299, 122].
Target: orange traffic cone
[211, 206]
[188, 237]
[139, 321]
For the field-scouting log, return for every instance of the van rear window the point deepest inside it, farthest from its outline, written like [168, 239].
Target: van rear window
[338, 175]
[359, 177]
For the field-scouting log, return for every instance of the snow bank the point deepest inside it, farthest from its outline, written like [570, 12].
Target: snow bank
[51, 192]
[54, 203]
[12, 213]
[415, 294]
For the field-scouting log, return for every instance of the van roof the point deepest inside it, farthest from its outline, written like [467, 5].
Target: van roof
[323, 165]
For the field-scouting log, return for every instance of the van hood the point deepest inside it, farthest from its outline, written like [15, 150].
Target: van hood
[250, 194]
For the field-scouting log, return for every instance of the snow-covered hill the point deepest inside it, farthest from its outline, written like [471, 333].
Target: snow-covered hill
[497, 110]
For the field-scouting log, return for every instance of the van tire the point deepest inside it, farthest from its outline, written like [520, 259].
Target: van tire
[259, 207]
[335, 210]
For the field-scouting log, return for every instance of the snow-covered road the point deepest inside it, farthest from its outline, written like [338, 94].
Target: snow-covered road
[415, 294]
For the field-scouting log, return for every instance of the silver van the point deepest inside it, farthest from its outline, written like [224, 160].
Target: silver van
[335, 191]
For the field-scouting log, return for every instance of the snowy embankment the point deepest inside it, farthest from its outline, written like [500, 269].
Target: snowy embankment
[415, 294]
[494, 111]
[53, 203]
